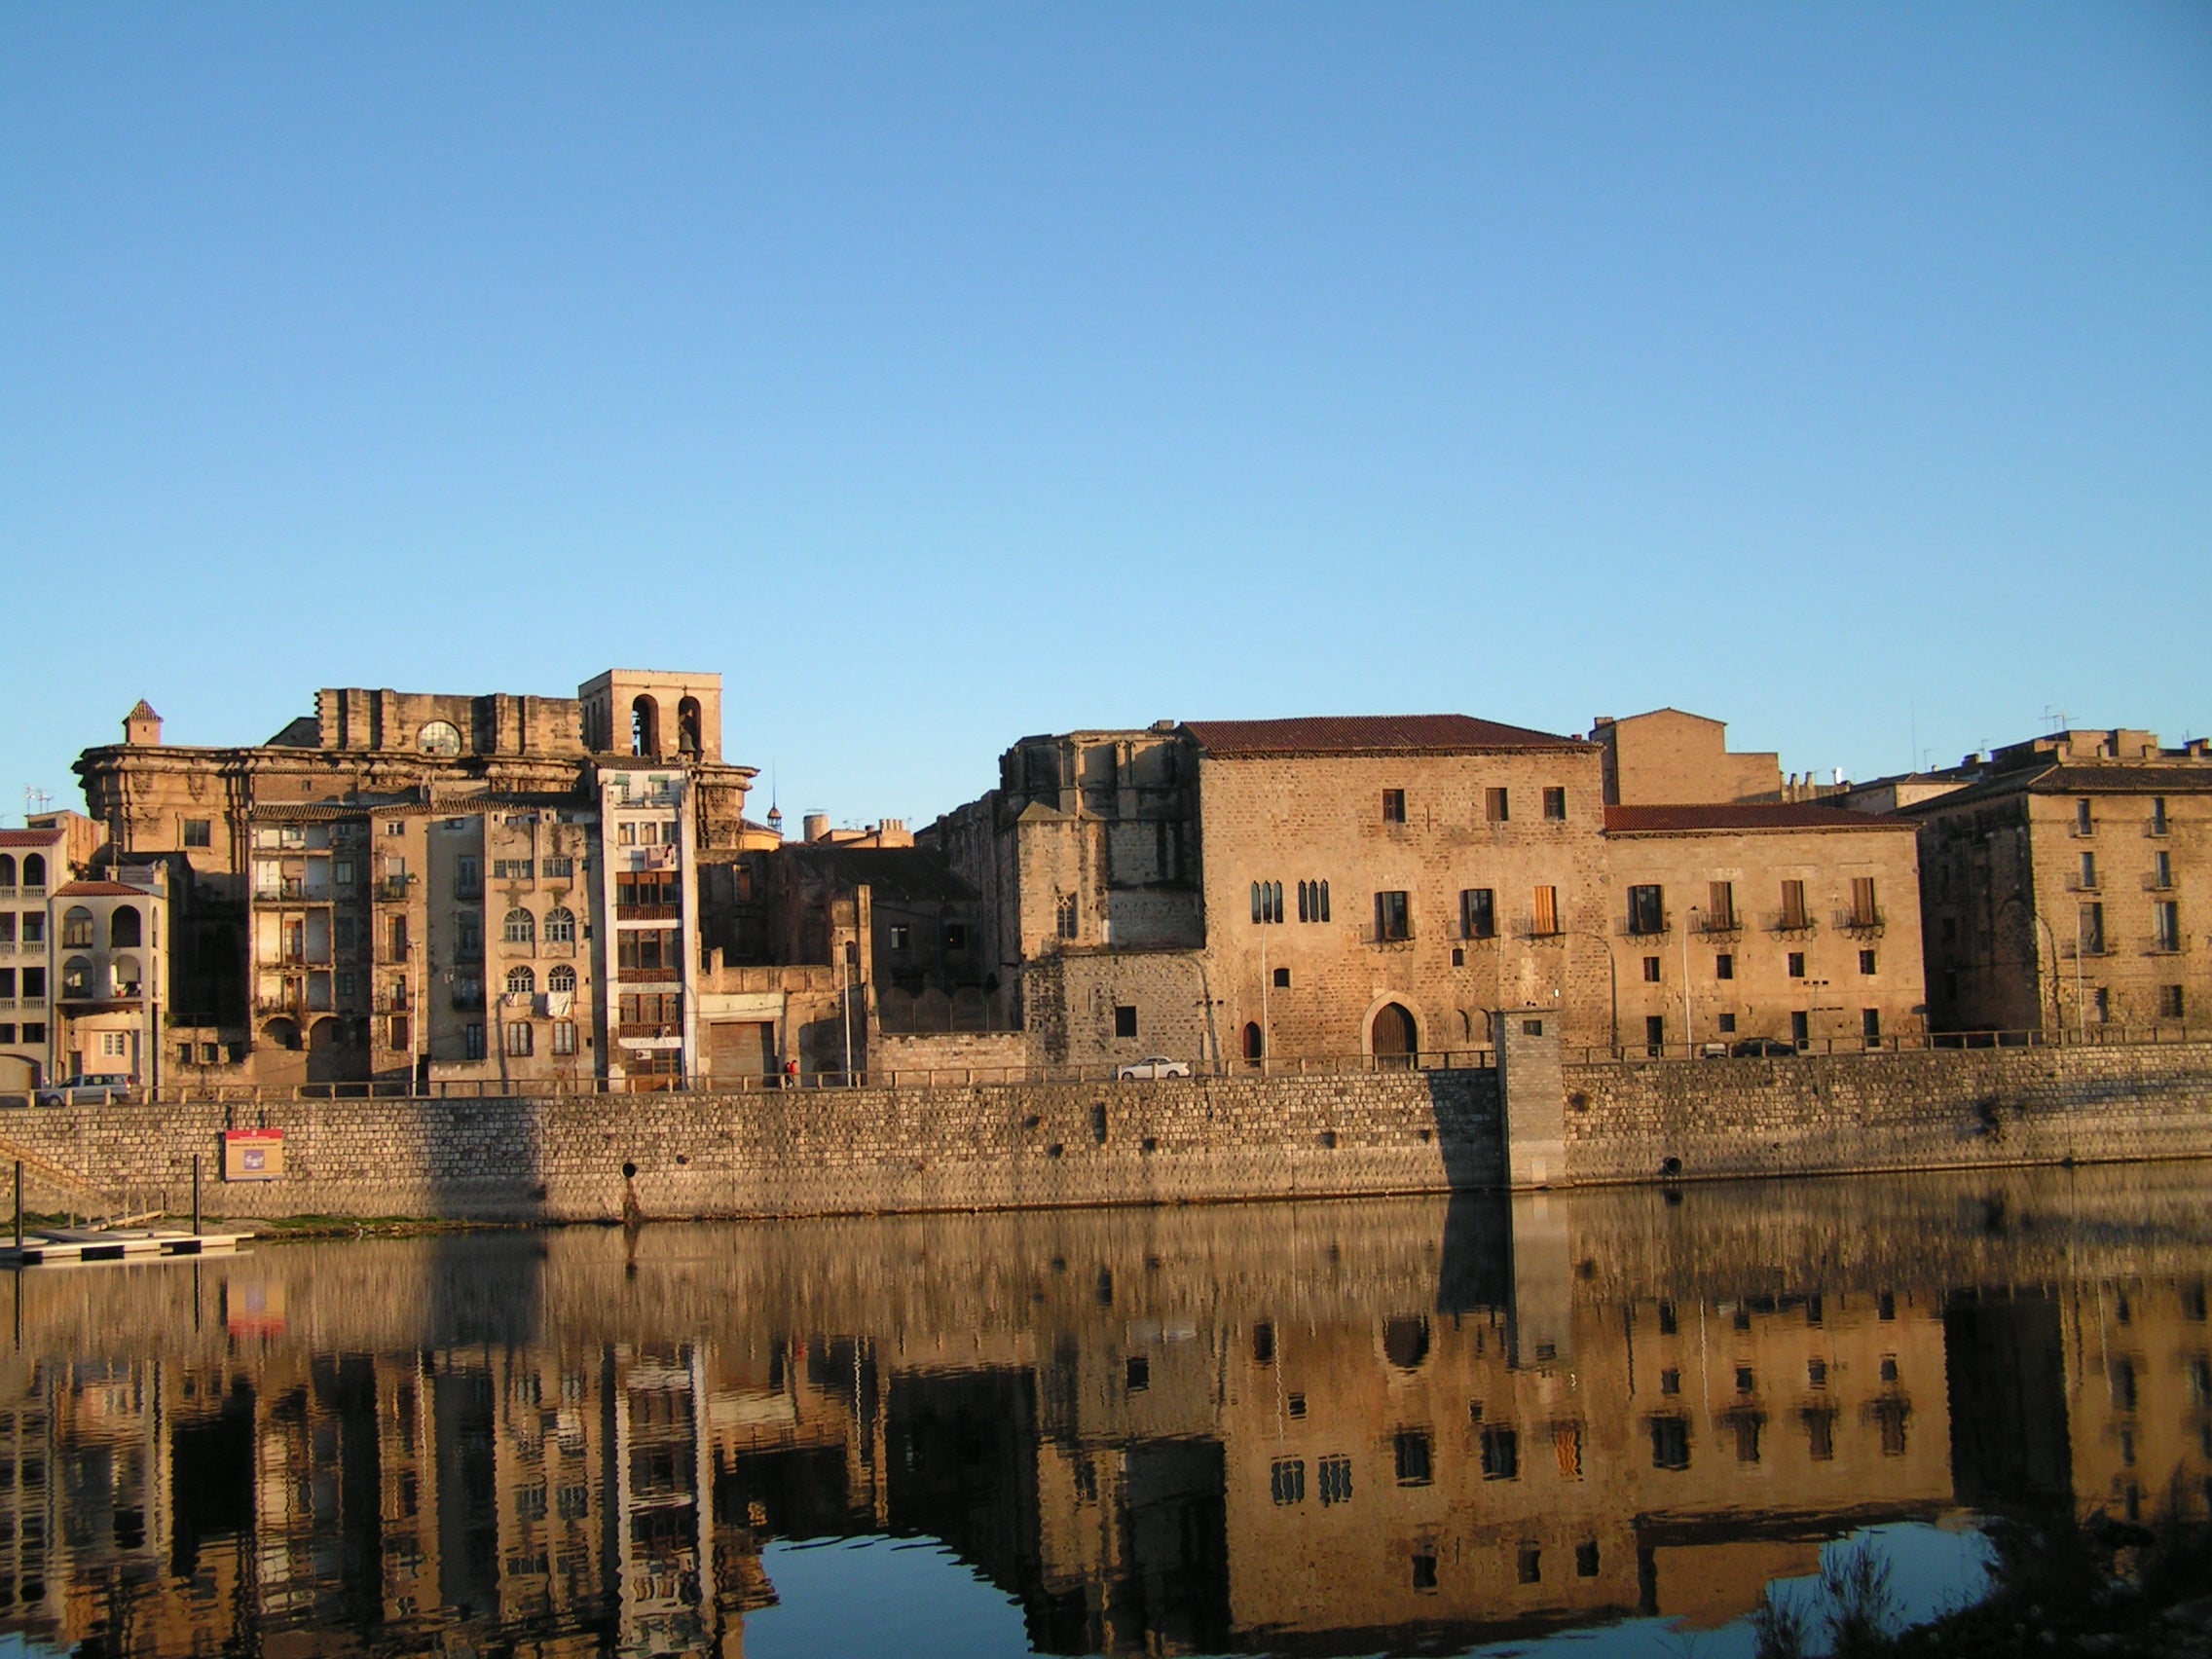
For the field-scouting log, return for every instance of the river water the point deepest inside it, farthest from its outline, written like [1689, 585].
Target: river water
[1593, 1424]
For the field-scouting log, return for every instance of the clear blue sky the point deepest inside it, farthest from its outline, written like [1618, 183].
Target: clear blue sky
[942, 373]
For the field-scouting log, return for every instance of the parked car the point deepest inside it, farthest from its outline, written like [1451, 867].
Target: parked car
[1157, 1066]
[1762, 1047]
[94, 1089]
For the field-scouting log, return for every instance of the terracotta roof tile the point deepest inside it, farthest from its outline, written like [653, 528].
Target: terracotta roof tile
[1730, 815]
[101, 889]
[1369, 734]
[40, 838]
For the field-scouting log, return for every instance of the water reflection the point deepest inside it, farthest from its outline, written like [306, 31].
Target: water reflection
[1322, 1428]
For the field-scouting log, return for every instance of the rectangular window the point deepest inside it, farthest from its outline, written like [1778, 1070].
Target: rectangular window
[956, 936]
[1496, 808]
[199, 832]
[1652, 970]
[468, 935]
[1795, 916]
[1393, 806]
[2090, 926]
[1865, 912]
[902, 936]
[1478, 913]
[34, 928]
[7, 927]
[1655, 1032]
[2084, 824]
[2089, 869]
[34, 986]
[1669, 1443]
[6, 984]
[512, 870]
[1424, 1571]
[1547, 912]
[343, 981]
[1414, 1464]
[2159, 815]
[8, 1033]
[1286, 1480]
[1724, 966]
[467, 876]
[2161, 870]
[1646, 909]
[626, 833]
[560, 869]
[518, 1038]
[1394, 916]
[2167, 914]
[2170, 1004]
[1282, 978]
[1871, 1026]
[1801, 1029]
[1501, 1454]
[1721, 906]
[1867, 962]
[654, 950]
[115, 1045]
[33, 1031]
[1797, 964]
[1555, 805]
[564, 1036]
[1727, 1024]
[472, 1041]
[396, 942]
[1124, 1020]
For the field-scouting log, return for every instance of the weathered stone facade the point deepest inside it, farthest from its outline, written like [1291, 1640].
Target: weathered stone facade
[1042, 1145]
[2067, 884]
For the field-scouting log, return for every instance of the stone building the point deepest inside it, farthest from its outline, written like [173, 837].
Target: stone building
[416, 885]
[2067, 886]
[111, 955]
[1263, 892]
[1790, 921]
[1245, 892]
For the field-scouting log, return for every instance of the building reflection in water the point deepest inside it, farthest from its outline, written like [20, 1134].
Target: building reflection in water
[1334, 1429]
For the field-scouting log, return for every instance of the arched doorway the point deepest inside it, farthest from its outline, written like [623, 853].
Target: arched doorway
[1255, 1042]
[1395, 1039]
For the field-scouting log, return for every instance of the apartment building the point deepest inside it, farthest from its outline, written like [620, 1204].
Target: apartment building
[2067, 886]
[31, 861]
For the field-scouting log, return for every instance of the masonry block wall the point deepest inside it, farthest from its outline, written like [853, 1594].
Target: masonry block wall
[1044, 1144]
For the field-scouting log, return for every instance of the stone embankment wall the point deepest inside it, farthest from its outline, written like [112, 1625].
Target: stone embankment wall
[803, 1152]
[1806, 1114]
[1045, 1145]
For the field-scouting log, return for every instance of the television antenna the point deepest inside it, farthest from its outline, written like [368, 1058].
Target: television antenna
[36, 800]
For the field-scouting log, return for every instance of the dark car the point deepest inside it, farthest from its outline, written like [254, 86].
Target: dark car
[1761, 1047]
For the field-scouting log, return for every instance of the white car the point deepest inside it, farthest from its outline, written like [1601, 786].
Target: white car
[1159, 1065]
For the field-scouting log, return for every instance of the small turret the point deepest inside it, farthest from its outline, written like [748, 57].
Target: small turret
[142, 728]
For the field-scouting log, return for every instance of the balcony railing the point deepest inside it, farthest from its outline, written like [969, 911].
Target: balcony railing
[392, 889]
[1731, 923]
[1649, 927]
[1861, 921]
[648, 912]
[1796, 922]
[649, 1028]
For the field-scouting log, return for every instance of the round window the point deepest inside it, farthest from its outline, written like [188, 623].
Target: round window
[439, 737]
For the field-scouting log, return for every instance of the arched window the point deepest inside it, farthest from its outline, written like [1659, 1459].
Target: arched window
[1255, 1043]
[7, 869]
[521, 983]
[688, 727]
[1255, 900]
[644, 726]
[560, 925]
[76, 926]
[562, 981]
[123, 970]
[521, 928]
[122, 928]
[34, 869]
[76, 976]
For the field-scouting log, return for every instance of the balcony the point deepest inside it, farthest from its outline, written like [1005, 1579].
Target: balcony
[468, 951]
[649, 1028]
[467, 1001]
[1648, 926]
[1862, 924]
[1796, 924]
[1719, 926]
[392, 889]
[648, 912]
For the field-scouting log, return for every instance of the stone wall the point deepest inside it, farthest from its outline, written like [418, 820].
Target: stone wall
[1043, 1145]
[804, 1152]
[1843, 1112]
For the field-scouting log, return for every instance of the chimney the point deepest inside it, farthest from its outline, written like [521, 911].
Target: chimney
[142, 728]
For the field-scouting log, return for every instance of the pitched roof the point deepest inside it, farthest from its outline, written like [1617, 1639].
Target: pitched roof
[1743, 816]
[101, 889]
[140, 710]
[1368, 735]
[30, 837]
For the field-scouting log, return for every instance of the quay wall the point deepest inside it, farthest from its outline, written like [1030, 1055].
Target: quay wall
[1022, 1146]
